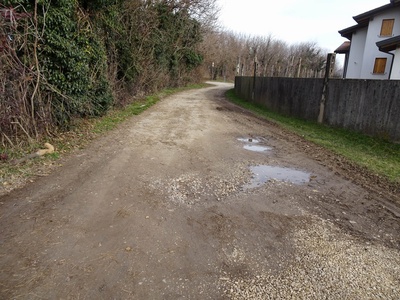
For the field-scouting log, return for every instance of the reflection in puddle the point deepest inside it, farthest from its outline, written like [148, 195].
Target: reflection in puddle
[256, 148]
[263, 174]
[251, 144]
[249, 140]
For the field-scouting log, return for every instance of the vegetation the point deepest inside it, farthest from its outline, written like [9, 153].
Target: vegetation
[377, 155]
[71, 59]
[228, 54]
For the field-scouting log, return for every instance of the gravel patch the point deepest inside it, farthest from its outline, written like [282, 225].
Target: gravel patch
[327, 265]
[191, 188]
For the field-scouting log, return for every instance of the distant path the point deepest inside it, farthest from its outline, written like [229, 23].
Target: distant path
[167, 207]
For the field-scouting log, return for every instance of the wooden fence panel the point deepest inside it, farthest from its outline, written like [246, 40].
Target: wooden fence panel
[368, 106]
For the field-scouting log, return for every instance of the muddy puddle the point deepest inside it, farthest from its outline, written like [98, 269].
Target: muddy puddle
[253, 144]
[262, 174]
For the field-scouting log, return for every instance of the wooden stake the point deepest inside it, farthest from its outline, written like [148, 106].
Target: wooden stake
[330, 64]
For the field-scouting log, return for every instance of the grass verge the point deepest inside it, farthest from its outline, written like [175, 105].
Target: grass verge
[377, 155]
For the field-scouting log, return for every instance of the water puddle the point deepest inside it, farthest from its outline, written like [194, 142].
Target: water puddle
[262, 174]
[249, 140]
[257, 148]
[251, 144]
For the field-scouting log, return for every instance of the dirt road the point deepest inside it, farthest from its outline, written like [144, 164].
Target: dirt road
[199, 199]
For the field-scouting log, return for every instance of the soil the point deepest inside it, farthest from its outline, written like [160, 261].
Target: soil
[165, 207]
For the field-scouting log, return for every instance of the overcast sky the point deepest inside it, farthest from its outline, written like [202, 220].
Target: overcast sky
[295, 21]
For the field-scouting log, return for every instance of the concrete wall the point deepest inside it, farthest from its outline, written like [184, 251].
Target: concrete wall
[368, 106]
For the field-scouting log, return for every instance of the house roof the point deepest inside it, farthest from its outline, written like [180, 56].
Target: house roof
[389, 44]
[363, 19]
[343, 48]
[348, 32]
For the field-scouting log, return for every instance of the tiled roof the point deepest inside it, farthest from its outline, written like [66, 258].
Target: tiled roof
[343, 48]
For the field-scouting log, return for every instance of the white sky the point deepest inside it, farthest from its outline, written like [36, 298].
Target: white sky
[295, 21]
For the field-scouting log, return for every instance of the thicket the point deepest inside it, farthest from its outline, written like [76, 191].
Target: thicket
[229, 54]
[67, 59]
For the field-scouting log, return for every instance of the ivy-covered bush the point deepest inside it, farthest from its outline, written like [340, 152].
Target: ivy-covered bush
[77, 58]
[73, 62]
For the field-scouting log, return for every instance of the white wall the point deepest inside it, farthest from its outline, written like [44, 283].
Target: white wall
[396, 65]
[371, 51]
[356, 53]
[364, 50]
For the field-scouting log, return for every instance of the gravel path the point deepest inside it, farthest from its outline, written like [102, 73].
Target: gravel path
[327, 265]
[199, 199]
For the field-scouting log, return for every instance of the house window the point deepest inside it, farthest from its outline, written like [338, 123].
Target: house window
[387, 27]
[380, 65]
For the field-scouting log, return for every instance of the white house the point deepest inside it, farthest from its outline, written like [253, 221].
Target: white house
[373, 49]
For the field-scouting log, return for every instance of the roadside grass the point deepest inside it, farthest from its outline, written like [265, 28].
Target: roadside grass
[377, 155]
[83, 132]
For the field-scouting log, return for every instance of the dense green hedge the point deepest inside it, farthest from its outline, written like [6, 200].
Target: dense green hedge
[90, 55]
[73, 60]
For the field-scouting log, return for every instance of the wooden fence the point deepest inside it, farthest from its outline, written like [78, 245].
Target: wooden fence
[368, 106]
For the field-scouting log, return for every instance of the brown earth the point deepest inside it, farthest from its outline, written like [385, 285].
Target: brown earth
[163, 208]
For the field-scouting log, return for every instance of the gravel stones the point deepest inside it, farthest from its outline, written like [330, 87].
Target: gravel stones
[191, 188]
[328, 264]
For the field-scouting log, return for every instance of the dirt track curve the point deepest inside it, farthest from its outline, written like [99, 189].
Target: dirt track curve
[173, 205]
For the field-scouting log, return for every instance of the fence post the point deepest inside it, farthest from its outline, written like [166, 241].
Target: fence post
[253, 95]
[330, 64]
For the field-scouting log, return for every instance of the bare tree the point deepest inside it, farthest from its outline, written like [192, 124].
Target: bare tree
[267, 56]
